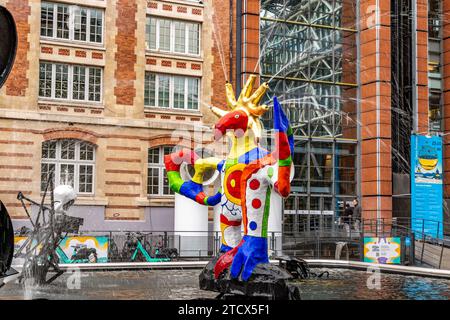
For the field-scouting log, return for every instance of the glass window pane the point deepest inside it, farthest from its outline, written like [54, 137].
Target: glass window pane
[67, 174]
[47, 10]
[85, 178]
[321, 170]
[96, 26]
[62, 22]
[166, 187]
[46, 170]
[180, 37]
[164, 35]
[49, 149]
[95, 83]
[194, 38]
[79, 83]
[163, 91]
[80, 23]
[178, 92]
[167, 150]
[75, 169]
[86, 151]
[45, 80]
[68, 149]
[193, 85]
[153, 181]
[150, 91]
[150, 32]
[153, 156]
[61, 81]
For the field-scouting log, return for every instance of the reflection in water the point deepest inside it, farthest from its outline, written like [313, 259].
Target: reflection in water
[426, 289]
[342, 284]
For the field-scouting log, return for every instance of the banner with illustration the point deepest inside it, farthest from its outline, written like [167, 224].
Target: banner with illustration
[18, 258]
[83, 250]
[73, 249]
[382, 250]
[426, 186]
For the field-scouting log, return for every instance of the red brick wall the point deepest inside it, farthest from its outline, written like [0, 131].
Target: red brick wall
[249, 45]
[220, 51]
[250, 38]
[125, 57]
[422, 65]
[375, 107]
[17, 82]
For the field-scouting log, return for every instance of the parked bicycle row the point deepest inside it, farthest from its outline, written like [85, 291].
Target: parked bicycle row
[127, 247]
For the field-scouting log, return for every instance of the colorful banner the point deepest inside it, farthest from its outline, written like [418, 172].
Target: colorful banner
[18, 242]
[382, 250]
[74, 250]
[426, 186]
[83, 250]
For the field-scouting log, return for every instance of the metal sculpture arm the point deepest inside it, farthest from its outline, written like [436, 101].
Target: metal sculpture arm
[192, 189]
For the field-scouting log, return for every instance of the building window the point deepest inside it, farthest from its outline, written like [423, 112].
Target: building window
[70, 82]
[71, 22]
[172, 36]
[166, 91]
[435, 110]
[72, 163]
[157, 181]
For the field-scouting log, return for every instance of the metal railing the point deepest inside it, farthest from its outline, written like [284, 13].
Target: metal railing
[329, 241]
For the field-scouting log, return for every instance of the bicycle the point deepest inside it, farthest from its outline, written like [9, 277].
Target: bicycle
[136, 249]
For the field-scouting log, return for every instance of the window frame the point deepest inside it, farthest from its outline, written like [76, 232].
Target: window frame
[71, 12]
[161, 172]
[172, 47]
[76, 162]
[70, 82]
[171, 91]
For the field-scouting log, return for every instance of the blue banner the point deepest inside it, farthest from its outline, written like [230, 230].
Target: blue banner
[426, 186]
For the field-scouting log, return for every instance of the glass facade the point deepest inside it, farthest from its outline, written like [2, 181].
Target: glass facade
[308, 56]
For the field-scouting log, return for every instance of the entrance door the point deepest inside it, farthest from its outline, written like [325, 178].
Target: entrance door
[321, 213]
[301, 215]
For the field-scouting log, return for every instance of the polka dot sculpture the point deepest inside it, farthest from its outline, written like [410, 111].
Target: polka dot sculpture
[249, 175]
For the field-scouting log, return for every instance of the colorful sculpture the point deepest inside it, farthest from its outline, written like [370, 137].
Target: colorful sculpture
[249, 175]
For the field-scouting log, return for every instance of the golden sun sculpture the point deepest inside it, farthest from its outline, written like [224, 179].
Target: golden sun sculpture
[248, 102]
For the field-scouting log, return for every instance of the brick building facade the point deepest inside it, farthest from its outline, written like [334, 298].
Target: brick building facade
[96, 93]
[375, 83]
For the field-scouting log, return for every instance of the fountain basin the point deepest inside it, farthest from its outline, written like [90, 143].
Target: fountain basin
[347, 281]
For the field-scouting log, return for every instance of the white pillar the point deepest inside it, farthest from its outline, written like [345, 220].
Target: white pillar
[275, 221]
[217, 208]
[191, 227]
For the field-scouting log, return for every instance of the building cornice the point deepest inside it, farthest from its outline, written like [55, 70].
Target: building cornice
[104, 121]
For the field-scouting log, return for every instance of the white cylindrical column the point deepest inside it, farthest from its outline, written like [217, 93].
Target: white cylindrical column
[191, 227]
[217, 208]
[275, 221]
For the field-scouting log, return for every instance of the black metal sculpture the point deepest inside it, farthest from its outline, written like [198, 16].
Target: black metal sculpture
[50, 226]
[6, 242]
[8, 47]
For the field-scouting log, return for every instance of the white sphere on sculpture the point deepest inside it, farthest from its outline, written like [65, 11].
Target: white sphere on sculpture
[64, 197]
